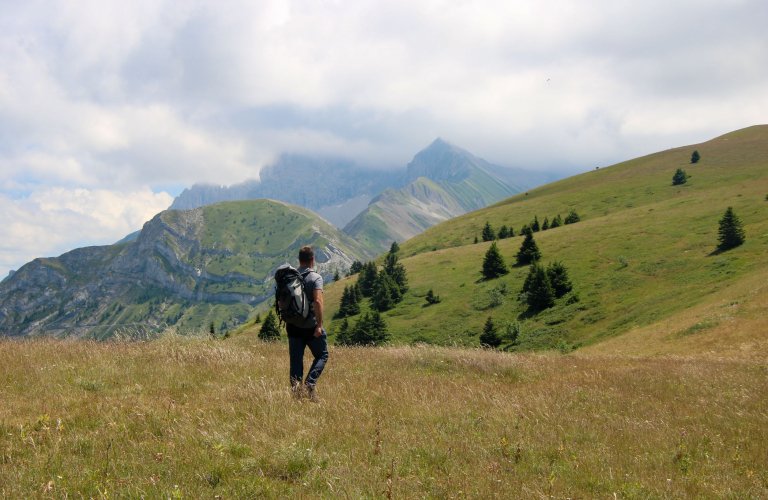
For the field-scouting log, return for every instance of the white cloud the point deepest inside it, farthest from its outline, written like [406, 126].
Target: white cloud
[49, 222]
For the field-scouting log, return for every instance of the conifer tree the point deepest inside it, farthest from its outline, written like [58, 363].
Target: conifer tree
[541, 295]
[679, 178]
[731, 233]
[493, 263]
[475, 239]
[558, 277]
[269, 330]
[367, 278]
[572, 217]
[535, 226]
[394, 248]
[695, 157]
[358, 293]
[386, 293]
[488, 232]
[503, 232]
[529, 251]
[336, 276]
[355, 268]
[378, 329]
[545, 226]
[258, 319]
[432, 297]
[343, 337]
[370, 329]
[489, 337]
[349, 305]
[557, 221]
[212, 330]
[396, 271]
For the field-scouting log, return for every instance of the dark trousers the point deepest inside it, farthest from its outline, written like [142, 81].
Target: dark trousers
[319, 348]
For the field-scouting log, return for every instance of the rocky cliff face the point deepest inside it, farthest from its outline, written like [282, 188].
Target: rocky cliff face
[185, 269]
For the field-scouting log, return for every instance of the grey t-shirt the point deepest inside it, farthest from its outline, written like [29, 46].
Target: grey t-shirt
[312, 282]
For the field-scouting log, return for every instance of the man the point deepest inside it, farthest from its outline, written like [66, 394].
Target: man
[309, 334]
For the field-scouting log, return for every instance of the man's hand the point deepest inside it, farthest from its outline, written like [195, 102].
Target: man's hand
[318, 331]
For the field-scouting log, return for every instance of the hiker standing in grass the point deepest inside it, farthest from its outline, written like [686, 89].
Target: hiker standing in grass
[310, 332]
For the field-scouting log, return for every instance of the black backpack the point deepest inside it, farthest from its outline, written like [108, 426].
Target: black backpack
[291, 301]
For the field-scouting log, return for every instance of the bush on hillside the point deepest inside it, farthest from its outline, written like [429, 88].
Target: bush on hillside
[493, 263]
[488, 232]
[529, 251]
[695, 157]
[731, 233]
[269, 329]
[572, 217]
[490, 337]
[432, 297]
[680, 177]
[512, 332]
[558, 277]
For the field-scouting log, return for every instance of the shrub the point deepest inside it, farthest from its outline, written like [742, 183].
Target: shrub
[679, 178]
[488, 232]
[432, 298]
[695, 157]
[269, 329]
[731, 233]
[355, 268]
[529, 251]
[557, 221]
[489, 337]
[493, 263]
[572, 217]
[503, 232]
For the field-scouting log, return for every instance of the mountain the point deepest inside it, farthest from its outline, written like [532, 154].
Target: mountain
[186, 268]
[643, 260]
[445, 181]
[331, 182]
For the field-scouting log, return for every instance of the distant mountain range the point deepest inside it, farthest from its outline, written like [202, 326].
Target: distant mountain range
[186, 268]
[444, 181]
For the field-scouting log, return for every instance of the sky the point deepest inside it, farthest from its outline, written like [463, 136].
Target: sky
[109, 109]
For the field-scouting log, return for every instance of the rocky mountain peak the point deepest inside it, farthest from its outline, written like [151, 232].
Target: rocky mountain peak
[441, 161]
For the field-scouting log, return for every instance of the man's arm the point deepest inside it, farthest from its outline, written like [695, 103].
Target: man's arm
[318, 298]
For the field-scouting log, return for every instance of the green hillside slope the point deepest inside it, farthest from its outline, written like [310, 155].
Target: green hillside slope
[642, 259]
[186, 269]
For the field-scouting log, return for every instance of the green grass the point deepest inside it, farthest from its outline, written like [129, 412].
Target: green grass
[642, 256]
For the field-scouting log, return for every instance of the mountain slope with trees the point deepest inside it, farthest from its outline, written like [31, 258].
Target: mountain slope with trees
[641, 254]
[186, 269]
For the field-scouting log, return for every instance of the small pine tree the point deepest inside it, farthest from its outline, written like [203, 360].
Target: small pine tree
[558, 277]
[378, 329]
[368, 275]
[336, 276]
[545, 226]
[212, 330]
[489, 337]
[503, 232]
[269, 330]
[257, 320]
[529, 251]
[432, 297]
[731, 233]
[535, 225]
[572, 217]
[358, 293]
[488, 232]
[695, 157]
[493, 263]
[557, 221]
[396, 271]
[355, 268]
[349, 305]
[679, 178]
[394, 248]
[475, 239]
[384, 295]
[541, 295]
[343, 337]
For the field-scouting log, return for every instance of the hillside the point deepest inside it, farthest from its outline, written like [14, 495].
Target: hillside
[185, 269]
[444, 181]
[642, 259]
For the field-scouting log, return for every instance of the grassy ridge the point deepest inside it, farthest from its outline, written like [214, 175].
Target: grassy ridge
[181, 418]
[642, 257]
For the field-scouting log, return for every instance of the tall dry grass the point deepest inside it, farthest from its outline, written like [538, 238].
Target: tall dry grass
[180, 418]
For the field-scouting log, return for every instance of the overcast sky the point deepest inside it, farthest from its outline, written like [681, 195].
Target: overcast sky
[108, 109]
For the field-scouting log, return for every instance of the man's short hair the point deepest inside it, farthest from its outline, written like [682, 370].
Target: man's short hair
[306, 254]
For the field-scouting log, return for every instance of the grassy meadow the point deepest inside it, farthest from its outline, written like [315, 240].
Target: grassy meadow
[642, 259]
[190, 418]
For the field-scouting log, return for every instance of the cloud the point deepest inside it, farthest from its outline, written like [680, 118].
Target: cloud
[51, 221]
[118, 96]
